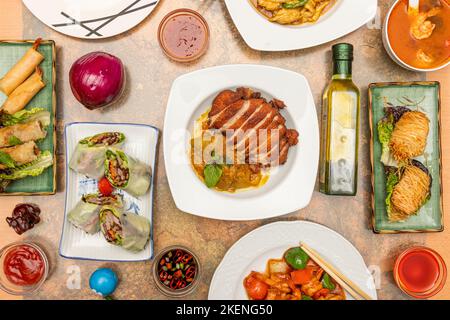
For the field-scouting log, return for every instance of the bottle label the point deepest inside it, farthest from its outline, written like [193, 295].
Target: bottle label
[343, 141]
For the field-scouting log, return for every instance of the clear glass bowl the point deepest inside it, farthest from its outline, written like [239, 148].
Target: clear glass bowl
[173, 14]
[12, 288]
[439, 283]
[166, 290]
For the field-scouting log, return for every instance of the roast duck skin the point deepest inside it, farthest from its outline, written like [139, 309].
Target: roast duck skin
[253, 125]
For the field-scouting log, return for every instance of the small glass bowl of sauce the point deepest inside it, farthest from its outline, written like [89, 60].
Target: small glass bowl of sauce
[176, 271]
[23, 268]
[420, 272]
[183, 35]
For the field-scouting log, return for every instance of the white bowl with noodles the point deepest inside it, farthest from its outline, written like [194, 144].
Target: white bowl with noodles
[391, 52]
[260, 34]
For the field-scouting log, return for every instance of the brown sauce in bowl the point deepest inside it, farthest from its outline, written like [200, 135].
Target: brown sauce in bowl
[184, 35]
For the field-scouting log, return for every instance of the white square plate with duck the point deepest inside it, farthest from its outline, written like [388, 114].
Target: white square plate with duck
[289, 186]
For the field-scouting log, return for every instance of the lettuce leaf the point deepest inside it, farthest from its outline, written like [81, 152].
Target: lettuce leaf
[24, 116]
[6, 160]
[4, 184]
[385, 129]
[32, 169]
[391, 181]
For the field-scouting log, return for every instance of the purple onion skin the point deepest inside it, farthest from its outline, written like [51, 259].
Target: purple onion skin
[97, 79]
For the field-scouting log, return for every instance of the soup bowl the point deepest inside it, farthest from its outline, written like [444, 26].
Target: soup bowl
[393, 54]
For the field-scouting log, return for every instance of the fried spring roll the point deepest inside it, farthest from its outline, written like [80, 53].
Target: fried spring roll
[22, 69]
[21, 154]
[20, 97]
[23, 132]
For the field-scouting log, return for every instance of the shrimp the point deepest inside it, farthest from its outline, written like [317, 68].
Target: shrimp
[421, 27]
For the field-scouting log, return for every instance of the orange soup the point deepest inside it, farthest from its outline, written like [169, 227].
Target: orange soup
[421, 39]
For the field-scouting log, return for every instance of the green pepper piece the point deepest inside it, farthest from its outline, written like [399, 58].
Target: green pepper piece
[327, 282]
[296, 258]
[306, 297]
[294, 4]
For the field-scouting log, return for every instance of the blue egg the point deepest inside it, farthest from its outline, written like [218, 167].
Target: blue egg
[103, 281]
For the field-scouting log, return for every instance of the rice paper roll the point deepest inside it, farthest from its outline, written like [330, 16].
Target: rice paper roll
[85, 215]
[89, 155]
[125, 229]
[18, 155]
[21, 133]
[127, 173]
[19, 98]
[22, 69]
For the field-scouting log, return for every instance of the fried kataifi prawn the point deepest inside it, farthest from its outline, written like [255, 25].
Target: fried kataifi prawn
[410, 193]
[409, 137]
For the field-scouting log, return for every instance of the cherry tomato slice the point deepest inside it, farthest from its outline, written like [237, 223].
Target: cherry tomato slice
[105, 187]
[256, 289]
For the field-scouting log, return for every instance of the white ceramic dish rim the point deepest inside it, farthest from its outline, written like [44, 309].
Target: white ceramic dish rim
[148, 11]
[151, 241]
[225, 213]
[285, 34]
[281, 223]
[391, 52]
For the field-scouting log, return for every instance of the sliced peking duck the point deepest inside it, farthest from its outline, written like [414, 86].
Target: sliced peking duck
[253, 127]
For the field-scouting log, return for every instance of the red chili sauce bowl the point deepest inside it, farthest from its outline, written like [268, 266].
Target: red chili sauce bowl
[176, 271]
[23, 268]
[183, 35]
[420, 272]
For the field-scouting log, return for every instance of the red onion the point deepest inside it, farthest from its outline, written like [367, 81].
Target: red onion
[97, 79]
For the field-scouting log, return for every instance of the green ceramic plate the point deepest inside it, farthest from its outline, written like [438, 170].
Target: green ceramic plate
[10, 53]
[426, 94]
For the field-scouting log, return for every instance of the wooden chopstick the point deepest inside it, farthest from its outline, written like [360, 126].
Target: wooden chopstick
[341, 279]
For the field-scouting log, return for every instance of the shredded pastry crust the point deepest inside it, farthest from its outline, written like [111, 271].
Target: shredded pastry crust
[410, 193]
[409, 137]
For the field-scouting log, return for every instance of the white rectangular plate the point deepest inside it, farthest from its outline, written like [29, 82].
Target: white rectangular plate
[141, 143]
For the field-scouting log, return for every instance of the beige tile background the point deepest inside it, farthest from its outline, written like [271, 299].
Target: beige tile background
[151, 75]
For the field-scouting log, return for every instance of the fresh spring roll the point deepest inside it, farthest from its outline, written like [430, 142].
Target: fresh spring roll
[89, 155]
[18, 155]
[21, 133]
[85, 215]
[19, 98]
[128, 230]
[126, 173]
[22, 69]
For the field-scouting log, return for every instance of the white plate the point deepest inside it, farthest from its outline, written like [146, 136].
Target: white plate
[260, 34]
[141, 143]
[91, 19]
[291, 184]
[253, 250]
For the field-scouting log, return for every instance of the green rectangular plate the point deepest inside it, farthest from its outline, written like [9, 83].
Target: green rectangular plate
[429, 217]
[10, 53]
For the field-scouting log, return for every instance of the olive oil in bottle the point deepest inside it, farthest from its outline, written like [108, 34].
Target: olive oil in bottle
[340, 127]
